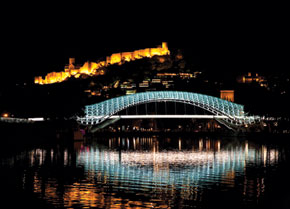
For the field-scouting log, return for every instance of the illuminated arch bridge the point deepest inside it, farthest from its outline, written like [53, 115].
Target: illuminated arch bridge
[222, 110]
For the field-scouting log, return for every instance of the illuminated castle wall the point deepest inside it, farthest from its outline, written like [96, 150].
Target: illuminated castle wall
[93, 68]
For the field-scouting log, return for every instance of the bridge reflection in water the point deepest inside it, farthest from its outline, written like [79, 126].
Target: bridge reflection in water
[146, 172]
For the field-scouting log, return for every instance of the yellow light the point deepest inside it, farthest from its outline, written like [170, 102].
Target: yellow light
[93, 68]
[5, 115]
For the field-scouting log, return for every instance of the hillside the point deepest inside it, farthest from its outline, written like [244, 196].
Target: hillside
[177, 71]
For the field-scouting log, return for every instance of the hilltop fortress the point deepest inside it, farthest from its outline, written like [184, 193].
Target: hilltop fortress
[93, 68]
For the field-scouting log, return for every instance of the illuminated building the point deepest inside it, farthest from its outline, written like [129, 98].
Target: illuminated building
[227, 95]
[130, 92]
[250, 78]
[166, 75]
[93, 68]
[185, 75]
[180, 75]
[156, 80]
[144, 84]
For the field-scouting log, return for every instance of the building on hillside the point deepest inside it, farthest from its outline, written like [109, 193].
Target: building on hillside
[228, 95]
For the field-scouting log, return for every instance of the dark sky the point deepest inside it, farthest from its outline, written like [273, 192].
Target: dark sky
[35, 44]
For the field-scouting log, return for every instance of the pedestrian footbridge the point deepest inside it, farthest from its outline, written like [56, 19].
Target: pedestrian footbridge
[222, 110]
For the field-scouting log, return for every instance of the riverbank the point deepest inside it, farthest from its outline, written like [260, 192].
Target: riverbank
[64, 131]
[19, 134]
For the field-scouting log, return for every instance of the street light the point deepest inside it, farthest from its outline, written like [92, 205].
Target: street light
[5, 115]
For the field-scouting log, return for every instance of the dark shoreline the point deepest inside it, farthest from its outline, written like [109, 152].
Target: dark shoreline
[60, 131]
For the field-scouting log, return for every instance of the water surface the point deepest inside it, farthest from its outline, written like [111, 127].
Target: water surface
[151, 172]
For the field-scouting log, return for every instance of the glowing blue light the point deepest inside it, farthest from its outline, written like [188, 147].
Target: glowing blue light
[97, 113]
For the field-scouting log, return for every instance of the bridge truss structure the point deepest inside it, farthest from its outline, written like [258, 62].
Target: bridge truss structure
[224, 110]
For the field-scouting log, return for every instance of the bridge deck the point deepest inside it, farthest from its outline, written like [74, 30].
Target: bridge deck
[163, 116]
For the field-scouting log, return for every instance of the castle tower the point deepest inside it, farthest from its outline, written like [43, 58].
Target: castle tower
[72, 61]
[164, 45]
[165, 48]
[71, 65]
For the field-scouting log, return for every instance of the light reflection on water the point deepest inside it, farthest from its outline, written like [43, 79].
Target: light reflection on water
[146, 172]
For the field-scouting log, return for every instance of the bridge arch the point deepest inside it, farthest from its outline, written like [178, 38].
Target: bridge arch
[99, 112]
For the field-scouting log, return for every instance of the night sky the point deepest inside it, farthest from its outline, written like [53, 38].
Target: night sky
[31, 47]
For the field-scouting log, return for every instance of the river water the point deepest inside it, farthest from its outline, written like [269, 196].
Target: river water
[149, 172]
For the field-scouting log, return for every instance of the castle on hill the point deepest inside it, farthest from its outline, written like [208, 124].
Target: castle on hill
[97, 68]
